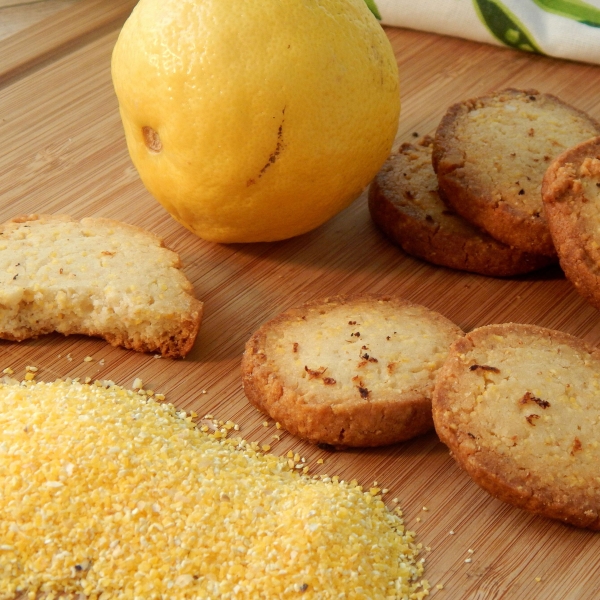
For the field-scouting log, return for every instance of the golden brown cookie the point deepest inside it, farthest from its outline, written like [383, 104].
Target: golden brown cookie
[490, 156]
[571, 192]
[95, 277]
[405, 203]
[349, 371]
[518, 406]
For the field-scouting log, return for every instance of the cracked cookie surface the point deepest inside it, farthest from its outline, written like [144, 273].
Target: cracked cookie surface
[349, 370]
[518, 407]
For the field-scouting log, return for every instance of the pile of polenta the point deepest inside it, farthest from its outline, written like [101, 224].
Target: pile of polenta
[110, 494]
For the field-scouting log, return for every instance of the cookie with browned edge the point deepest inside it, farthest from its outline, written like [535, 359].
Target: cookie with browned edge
[490, 156]
[519, 408]
[405, 203]
[349, 370]
[571, 192]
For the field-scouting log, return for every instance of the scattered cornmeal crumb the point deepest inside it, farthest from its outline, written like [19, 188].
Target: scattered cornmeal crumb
[538, 579]
[440, 586]
[110, 494]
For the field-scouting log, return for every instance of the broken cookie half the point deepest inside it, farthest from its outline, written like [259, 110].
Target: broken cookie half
[96, 277]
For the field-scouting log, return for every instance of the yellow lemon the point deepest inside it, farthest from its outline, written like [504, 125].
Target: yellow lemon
[255, 120]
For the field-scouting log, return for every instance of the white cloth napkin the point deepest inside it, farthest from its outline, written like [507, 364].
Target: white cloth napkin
[561, 28]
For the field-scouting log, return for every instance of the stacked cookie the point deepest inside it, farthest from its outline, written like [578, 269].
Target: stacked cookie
[476, 204]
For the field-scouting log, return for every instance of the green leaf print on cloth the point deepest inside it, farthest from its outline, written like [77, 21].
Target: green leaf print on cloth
[373, 8]
[572, 9]
[505, 26]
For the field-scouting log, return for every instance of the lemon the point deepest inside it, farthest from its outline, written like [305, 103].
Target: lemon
[255, 120]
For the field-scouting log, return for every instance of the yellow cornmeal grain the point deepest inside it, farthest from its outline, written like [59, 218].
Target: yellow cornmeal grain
[112, 495]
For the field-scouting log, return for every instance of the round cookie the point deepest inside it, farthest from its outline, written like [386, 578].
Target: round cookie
[571, 192]
[349, 370]
[519, 408]
[490, 155]
[405, 204]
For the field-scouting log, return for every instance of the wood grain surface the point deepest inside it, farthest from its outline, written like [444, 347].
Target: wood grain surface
[64, 152]
[50, 38]
[16, 15]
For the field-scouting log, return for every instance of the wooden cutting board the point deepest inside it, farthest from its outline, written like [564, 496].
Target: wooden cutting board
[63, 150]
